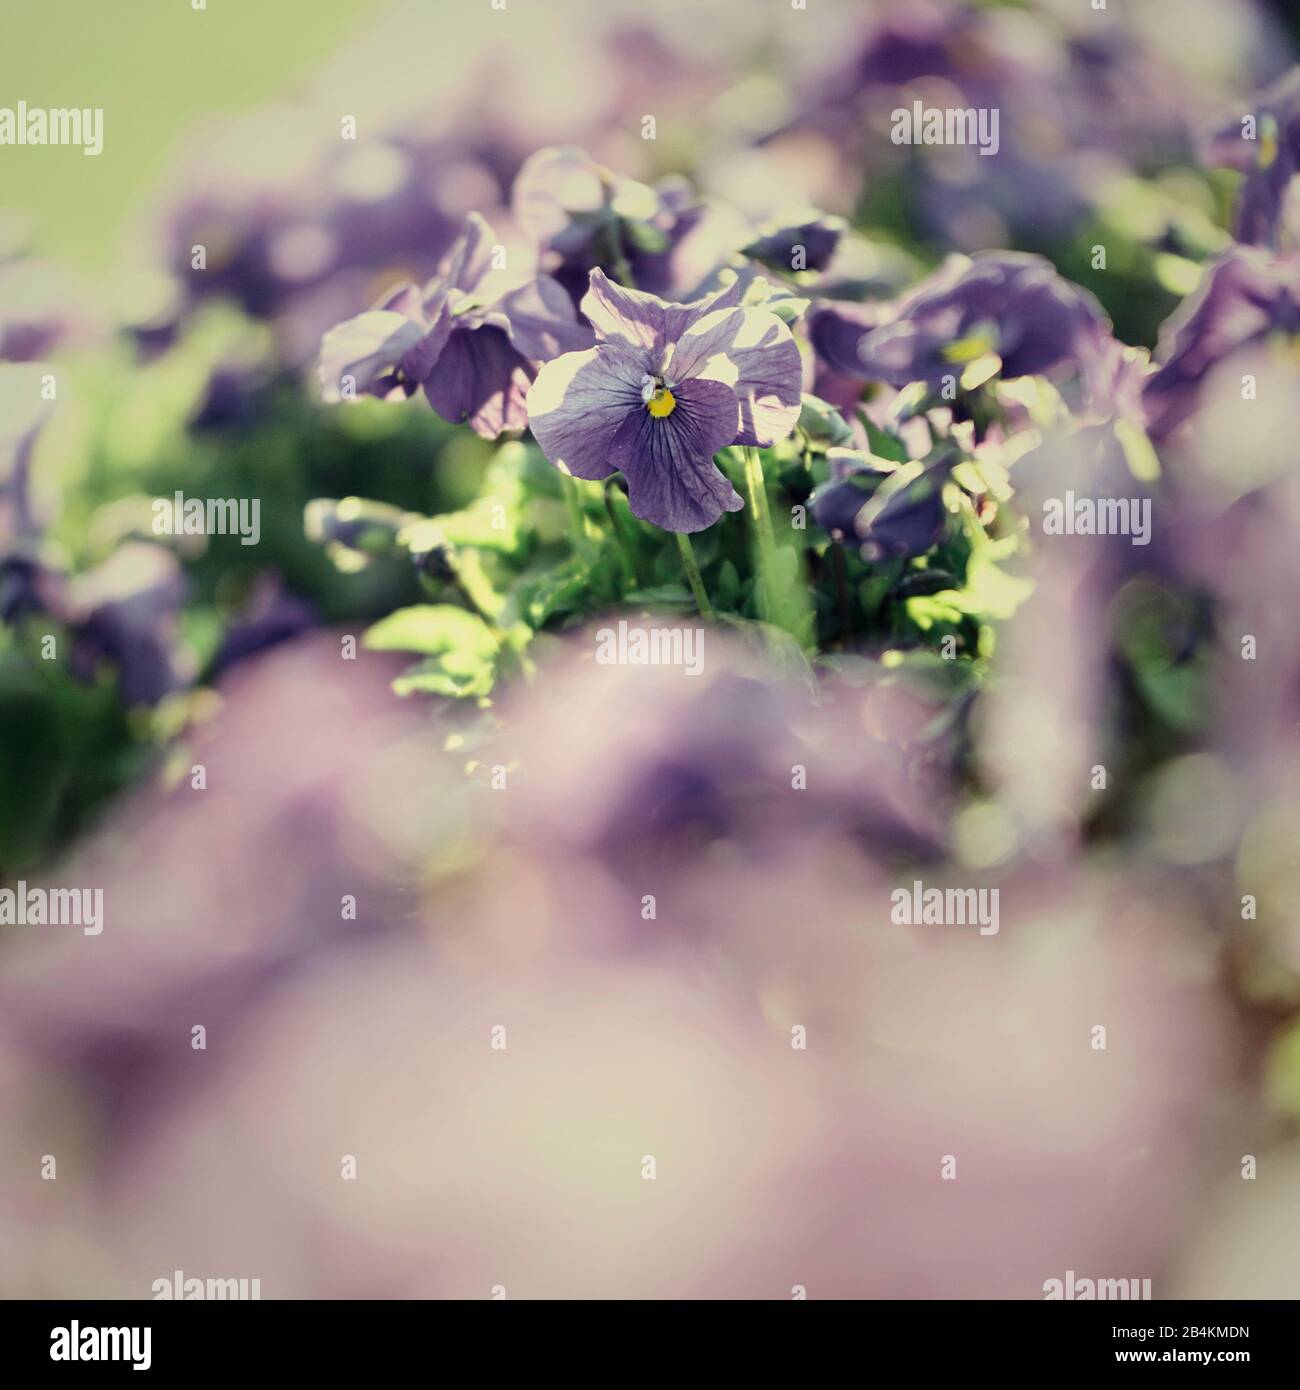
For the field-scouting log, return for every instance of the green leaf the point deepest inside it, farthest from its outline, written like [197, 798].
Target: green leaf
[663, 596]
[728, 585]
[885, 446]
[555, 591]
[435, 676]
[432, 629]
[460, 649]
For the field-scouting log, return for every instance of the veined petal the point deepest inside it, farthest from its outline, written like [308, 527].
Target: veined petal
[578, 403]
[668, 461]
[754, 353]
[467, 261]
[366, 349]
[541, 320]
[419, 361]
[627, 316]
[644, 320]
[480, 380]
[836, 331]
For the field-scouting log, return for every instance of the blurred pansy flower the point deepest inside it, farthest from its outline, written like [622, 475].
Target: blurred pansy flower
[673, 769]
[1002, 304]
[292, 229]
[836, 331]
[474, 350]
[270, 615]
[666, 387]
[793, 246]
[1246, 297]
[1265, 147]
[42, 309]
[583, 216]
[27, 583]
[125, 612]
[885, 513]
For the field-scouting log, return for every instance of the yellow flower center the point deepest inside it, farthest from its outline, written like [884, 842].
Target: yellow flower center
[662, 402]
[982, 339]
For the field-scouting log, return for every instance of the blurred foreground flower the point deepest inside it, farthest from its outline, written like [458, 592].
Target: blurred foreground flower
[1245, 297]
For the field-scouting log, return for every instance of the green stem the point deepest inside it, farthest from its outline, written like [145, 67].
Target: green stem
[626, 550]
[757, 488]
[693, 576]
[784, 604]
[764, 537]
[577, 518]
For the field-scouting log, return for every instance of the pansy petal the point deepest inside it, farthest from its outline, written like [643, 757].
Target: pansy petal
[480, 380]
[405, 299]
[541, 320]
[668, 461]
[418, 362]
[554, 184]
[836, 331]
[362, 352]
[622, 315]
[578, 403]
[467, 261]
[754, 353]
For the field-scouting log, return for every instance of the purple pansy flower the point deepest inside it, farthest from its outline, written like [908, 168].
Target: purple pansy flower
[836, 330]
[1003, 302]
[666, 387]
[1269, 160]
[271, 615]
[26, 583]
[475, 353]
[1245, 296]
[806, 245]
[42, 308]
[911, 520]
[124, 612]
[581, 215]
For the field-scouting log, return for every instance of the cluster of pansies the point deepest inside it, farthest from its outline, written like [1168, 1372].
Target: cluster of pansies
[511, 383]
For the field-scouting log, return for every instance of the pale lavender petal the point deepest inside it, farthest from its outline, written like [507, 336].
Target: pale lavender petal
[468, 260]
[668, 462]
[627, 316]
[363, 352]
[578, 403]
[542, 321]
[480, 380]
[552, 185]
[419, 361]
[644, 320]
[405, 299]
[754, 353]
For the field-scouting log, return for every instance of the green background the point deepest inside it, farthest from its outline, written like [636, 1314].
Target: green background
[156, 67]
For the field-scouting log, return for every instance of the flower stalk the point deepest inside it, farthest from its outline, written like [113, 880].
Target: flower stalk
[690, 565]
